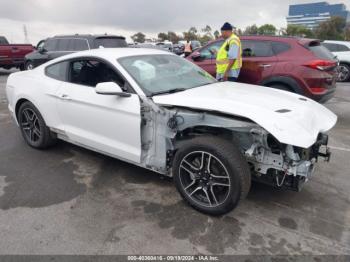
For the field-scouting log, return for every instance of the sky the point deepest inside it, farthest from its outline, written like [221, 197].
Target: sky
[44, 18]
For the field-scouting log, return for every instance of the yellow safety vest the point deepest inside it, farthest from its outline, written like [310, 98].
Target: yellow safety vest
[222, 60]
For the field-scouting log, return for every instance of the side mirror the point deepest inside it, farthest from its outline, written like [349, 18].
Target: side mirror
[110, 88]
[196, 56]
[42, 50]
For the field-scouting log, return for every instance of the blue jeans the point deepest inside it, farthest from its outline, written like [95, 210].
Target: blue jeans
[229, 79]
[232, 79]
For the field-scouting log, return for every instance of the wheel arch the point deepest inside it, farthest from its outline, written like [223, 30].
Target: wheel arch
[287, 81]
[347, 62]
[198, 130]
[22, 100]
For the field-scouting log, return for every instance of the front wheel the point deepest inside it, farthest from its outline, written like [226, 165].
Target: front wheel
[211, 174]
[29, 65]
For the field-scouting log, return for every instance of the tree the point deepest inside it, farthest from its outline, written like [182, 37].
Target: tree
[347, 33]
[267, 29]
[138, 37]
[333, 29]
[163, 36]
[251, 30]
[207, 36]
[173, 37]
[193, 30]
[206, 30]
[217, 34]
[299, 30]
[191, 34]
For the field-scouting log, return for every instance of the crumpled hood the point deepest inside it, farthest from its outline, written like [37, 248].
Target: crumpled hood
[292, 119]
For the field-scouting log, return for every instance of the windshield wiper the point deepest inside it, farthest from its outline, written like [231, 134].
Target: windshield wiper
[171, 91]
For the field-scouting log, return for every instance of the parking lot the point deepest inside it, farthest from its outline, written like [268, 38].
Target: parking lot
[68, 200]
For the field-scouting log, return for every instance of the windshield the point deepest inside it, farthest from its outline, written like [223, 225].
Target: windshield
[164, 73]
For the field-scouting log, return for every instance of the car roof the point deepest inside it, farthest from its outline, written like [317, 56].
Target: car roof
[285, 39]
[90, 36]
[113, 53]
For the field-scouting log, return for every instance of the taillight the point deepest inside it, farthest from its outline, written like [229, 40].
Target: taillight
[318, 90]
[322, 65]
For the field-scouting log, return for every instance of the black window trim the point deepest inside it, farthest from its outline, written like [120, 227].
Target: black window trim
[130, 90]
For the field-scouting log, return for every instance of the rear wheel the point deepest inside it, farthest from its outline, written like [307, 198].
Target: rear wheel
[211, 174]
[344, 73]
[33, 127]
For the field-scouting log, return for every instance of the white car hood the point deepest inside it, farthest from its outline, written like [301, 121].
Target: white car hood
[290, 118]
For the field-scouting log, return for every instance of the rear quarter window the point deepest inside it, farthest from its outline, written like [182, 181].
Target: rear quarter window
[57, 71]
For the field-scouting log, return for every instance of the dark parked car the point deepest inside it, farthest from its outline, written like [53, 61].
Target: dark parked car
[62, 45]
[12, 55]
[178, 49]
[297, 65]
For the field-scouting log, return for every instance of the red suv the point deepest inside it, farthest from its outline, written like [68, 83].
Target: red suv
[298, 65]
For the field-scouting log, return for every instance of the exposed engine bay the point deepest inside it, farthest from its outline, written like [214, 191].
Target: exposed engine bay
[271, 162]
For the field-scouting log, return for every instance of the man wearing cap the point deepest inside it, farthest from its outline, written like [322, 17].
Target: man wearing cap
[229, 56]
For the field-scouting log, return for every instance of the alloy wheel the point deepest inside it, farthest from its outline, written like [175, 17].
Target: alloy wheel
[343, 73]
[204, 178]
[30, 66]
[30, 125]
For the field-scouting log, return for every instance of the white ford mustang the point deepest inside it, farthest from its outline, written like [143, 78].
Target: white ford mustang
[161, 112]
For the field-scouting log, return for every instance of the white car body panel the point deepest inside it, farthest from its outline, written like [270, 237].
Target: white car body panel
[106, 123]
[299, 127]
[341, 56]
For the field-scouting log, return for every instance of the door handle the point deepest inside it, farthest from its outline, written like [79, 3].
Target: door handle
[64, 97]
[265, 65]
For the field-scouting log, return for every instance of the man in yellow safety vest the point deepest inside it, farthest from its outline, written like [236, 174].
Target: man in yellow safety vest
[229, 56]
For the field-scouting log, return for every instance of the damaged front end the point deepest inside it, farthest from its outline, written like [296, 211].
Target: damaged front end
[281, 165]
[164, 128]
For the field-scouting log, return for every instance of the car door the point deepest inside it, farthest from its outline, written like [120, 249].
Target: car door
[258, 61]
[207, 58]
[106, 123]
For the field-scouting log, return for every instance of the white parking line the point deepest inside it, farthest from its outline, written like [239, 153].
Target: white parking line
[340, 148]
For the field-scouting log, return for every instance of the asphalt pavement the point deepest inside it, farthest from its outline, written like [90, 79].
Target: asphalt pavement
[69, 200]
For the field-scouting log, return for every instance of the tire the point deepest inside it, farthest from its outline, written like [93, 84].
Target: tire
[344, 73]
[33, 127]
[21, 67]
[226, 161]
[281, 87]
[29, 65]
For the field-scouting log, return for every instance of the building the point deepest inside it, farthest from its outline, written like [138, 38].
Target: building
[311, 15]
